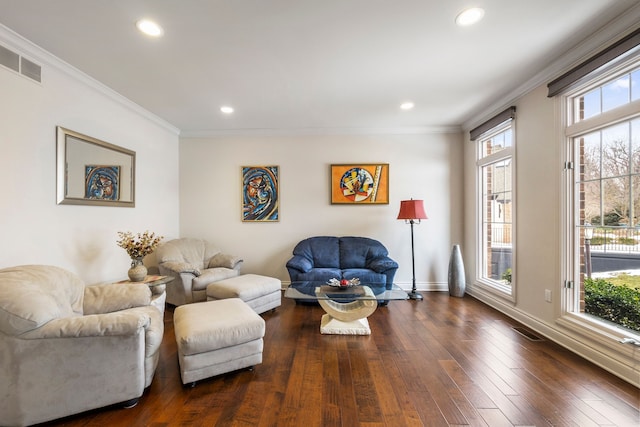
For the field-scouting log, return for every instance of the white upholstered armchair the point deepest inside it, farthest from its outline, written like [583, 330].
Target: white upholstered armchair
[195, 263]
[66, 348]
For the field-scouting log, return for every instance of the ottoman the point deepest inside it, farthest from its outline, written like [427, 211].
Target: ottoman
[216, 337]
[261, 293]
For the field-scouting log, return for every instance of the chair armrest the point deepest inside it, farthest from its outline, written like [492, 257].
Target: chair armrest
[300, 263]
[224, 260]
[380, 265]
[181, 267]
[112, 297]
[121, 323]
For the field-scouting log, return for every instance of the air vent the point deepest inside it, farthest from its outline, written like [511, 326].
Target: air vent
[9, 59]
[527, 334]
[20, 64]
[30, 69]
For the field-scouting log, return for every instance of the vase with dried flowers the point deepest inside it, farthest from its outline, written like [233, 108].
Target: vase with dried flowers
[138, 246]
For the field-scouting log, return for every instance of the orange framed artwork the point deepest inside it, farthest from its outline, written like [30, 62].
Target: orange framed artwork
[360, 184]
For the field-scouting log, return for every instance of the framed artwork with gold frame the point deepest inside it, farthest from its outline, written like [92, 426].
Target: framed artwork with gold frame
[360, 184]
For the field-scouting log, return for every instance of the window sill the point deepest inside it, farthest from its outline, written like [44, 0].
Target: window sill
[602, 336]
[496, 289]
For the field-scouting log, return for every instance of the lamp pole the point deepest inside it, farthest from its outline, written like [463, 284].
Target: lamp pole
[414, 292]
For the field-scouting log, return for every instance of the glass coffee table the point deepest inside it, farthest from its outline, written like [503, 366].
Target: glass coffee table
[346, 308]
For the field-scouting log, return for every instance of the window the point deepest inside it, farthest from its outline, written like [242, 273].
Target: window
[608, 96]
[603, 203]
[495, 205]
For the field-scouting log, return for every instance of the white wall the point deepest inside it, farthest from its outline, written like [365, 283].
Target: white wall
[427, 167]
[537, 165]
[33, 228]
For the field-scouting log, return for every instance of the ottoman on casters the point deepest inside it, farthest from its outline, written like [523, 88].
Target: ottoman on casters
[261, 293]
[216, 337]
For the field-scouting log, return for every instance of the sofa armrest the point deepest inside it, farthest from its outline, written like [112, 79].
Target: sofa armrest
[181, 267]
[122, 323]
[380, 265]
[112, 297]
[225, 260]
[300, 263]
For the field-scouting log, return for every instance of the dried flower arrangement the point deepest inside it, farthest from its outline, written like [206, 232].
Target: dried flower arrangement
[139, 245]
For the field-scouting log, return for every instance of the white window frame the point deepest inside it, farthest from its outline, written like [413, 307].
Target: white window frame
[603, 332]
[494, 287]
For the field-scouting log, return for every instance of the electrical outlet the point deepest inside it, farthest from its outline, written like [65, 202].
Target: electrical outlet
[547, 295]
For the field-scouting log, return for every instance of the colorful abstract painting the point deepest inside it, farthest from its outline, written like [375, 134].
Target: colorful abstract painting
[102, 182]
[360, 184]
[260, 193]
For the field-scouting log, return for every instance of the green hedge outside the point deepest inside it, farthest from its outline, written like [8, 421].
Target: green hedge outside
[598, 241]
[617, 304]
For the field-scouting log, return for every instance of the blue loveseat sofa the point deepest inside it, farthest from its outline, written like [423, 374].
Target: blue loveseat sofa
[322, 258]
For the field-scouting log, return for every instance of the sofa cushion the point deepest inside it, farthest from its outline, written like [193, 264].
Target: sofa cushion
[357, 252]
[321, 275]
[323, 251]
[353, 252]
[365, 275]
[32, 295]
[193, 251]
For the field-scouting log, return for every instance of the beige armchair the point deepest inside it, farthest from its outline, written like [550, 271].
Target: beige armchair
[195, 263]
[66, 348]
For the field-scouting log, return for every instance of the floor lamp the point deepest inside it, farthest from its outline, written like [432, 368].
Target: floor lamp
[412, 211]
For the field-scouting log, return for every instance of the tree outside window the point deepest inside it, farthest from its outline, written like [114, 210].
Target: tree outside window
[607, 185]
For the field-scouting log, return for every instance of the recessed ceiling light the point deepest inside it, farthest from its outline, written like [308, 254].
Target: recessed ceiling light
[226, 109]
[150, 28]
[407, 105]
[469, 16]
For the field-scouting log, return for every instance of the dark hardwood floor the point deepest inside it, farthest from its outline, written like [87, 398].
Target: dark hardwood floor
[438, 362]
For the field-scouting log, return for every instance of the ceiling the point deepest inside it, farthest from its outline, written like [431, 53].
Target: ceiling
[312, 65]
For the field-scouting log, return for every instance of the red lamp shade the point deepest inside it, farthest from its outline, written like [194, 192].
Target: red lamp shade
[412, 209]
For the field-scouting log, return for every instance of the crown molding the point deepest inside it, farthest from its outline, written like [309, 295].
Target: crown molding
[420, 130]
[609, 33]
[35, 53]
